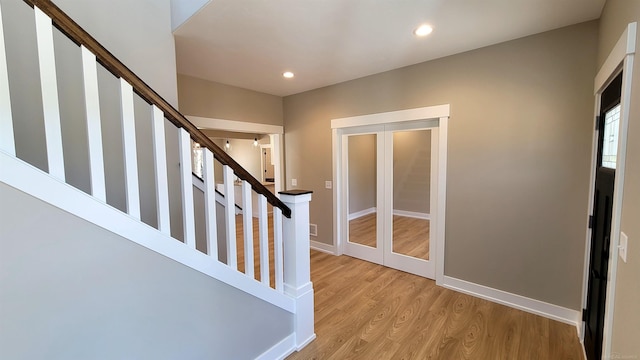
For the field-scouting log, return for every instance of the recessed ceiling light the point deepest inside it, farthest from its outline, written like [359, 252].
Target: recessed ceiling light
[423, 30]
[287, 74]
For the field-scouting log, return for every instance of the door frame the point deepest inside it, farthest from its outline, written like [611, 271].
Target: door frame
[275, 133]
[620, 59]
[262, 168]
[340, 125]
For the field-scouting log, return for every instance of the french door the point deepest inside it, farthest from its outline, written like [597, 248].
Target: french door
[390, 178]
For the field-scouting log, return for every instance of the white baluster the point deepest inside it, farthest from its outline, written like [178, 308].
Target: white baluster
[94, 130]
[160, 162]
[263, 228]
[130, 153]
[230, 217]
[49, 85]
[186, 181]
[7, 142]
[277, 248]
[247, 222]
[210, 204]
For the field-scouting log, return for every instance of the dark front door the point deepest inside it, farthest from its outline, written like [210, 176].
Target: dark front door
[601, 222]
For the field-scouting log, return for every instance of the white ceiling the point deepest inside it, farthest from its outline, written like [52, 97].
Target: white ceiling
[250, 43]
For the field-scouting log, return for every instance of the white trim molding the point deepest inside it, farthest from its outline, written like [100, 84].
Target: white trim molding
[236, 126]
[361, 213]
[537, 307]
[275, 132]
[434, 117]
[280, 350]
[621, 58]
[322, 247]
[412, 214]
[430, 112]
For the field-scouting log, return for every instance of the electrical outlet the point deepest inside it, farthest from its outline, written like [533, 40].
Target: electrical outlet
[294, 182]
[622, 248]
[328, 185]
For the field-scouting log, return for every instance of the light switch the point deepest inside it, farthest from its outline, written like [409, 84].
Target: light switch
[622, 248]
[328, 185]
[294, 182]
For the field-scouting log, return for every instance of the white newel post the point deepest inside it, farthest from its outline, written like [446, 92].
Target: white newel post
[297, 269]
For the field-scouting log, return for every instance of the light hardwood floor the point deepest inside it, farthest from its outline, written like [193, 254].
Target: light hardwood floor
[410, 235]
[368, 311]
[256, 248]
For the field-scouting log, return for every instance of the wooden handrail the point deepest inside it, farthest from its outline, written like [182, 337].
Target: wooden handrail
[80, 37]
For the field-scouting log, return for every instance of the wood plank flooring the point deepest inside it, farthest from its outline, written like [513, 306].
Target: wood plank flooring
[410, 235]
[368, 311]
[256, 248]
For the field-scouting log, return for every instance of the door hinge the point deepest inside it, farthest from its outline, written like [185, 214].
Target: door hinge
[584, 314]
[598, 118]
[590, 221]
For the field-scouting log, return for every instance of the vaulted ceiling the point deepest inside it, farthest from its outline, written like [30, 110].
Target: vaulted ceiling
[250, 43]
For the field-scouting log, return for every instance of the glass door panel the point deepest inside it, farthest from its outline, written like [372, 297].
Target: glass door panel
[411, 193]
[362, 191]
[388, 173]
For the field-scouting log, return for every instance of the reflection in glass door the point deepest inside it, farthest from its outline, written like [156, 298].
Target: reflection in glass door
[362, 190]
[408, 189]
[388, 176]
[362, 206]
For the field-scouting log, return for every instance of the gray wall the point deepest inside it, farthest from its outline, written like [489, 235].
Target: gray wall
[136, 32]
[204, 98]
[362, 172]
[626, 320]
[72, 290]
[519, 155]
[242, 151]
[145, 46]
[412, 171]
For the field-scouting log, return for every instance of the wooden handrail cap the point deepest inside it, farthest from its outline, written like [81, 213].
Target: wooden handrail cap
[295, 192]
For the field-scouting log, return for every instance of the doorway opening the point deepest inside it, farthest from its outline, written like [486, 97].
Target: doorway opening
[600, 222]
[267, 165]
[619, 62]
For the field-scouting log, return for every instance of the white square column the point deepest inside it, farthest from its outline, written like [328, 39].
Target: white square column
[297, 266]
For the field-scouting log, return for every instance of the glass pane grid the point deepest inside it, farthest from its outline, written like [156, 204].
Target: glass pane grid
[610, 138]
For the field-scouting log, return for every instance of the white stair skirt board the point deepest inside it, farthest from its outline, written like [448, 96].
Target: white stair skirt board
[537, 307]
[412, 214]
[280, 350]
[24, 177]
[361, 213]
[322, 247]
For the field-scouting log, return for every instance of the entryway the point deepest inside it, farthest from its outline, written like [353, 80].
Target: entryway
[390, 178]
[608, 126]
[603, 244]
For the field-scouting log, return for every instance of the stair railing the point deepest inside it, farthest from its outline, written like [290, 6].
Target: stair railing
[287, 271]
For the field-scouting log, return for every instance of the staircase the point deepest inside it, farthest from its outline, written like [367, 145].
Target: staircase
[123, 192]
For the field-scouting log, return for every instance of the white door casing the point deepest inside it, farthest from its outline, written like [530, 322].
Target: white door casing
[621, 58]
[434, 118]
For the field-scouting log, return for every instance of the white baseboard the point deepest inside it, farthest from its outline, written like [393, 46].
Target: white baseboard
[412, 214]
[325, 248]
[280, 350]
[306, 342]
[537, 307]
[361, 213]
